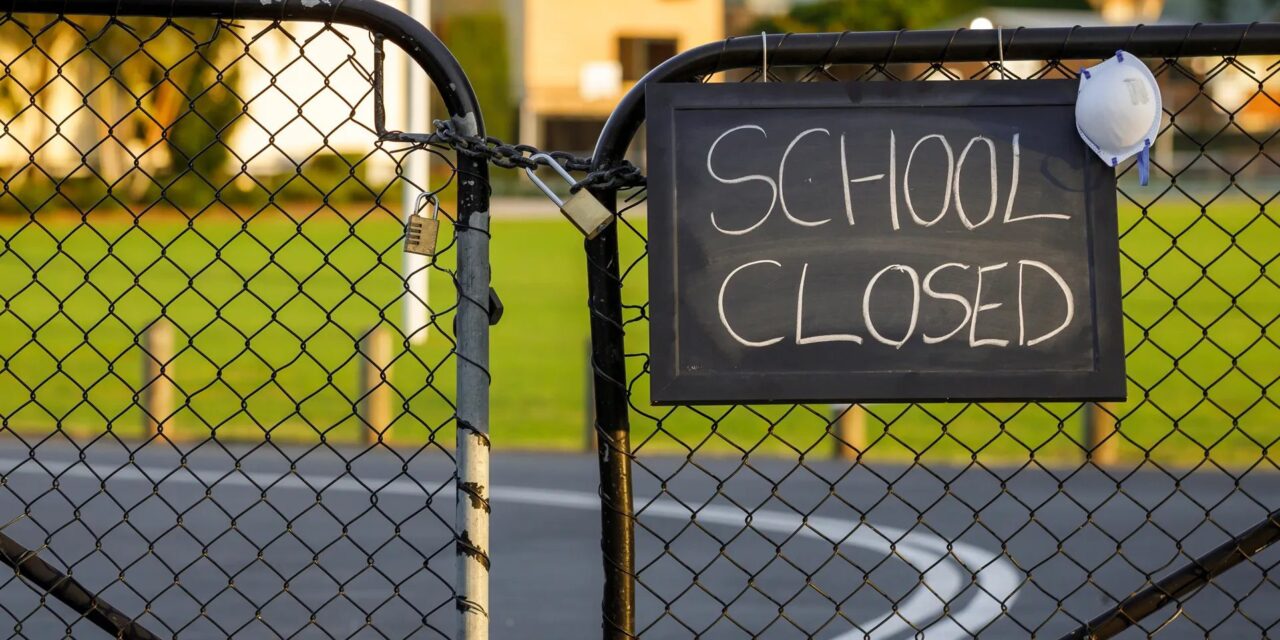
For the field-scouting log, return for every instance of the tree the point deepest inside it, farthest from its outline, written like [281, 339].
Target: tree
[170, 82]
[154, 93]
[479, 40]
[865, 15]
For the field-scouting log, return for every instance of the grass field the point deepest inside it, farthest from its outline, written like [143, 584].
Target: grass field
[269, 313]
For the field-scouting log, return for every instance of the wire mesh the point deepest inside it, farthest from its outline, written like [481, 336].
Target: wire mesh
[214, 416]
[1008, 519]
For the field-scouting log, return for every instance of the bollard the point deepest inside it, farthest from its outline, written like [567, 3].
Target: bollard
[1101, 440]
[851, 431]
[157, 393]
[375, 384]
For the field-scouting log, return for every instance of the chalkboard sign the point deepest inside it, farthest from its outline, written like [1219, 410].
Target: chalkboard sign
[879, 241]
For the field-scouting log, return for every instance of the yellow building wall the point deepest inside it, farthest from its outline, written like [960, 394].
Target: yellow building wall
[560, 36]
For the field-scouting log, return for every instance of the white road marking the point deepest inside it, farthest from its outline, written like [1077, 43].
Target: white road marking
[936, 559]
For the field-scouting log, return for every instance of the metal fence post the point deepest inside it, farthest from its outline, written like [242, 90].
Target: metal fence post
[613, 429]
[589, 440]
[473, 391]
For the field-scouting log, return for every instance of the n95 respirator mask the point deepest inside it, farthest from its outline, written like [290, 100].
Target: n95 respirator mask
[1118, 111]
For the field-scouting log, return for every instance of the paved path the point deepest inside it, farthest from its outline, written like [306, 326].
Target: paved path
[234, 551]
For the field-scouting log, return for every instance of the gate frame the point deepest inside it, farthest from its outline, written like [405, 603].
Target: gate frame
[604, 283]
[384, 21]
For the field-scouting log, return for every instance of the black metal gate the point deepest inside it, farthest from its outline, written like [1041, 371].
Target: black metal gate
[215, 422]
[965, 520]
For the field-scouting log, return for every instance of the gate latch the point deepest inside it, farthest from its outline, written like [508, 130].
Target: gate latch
[496, 309]
[581, 208]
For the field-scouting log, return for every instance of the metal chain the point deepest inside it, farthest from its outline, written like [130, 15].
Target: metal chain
[624, 175]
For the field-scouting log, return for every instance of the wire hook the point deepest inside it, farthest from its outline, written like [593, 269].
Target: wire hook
[764, 56]
[1000, 47]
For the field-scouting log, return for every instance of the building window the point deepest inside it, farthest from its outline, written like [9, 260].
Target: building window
[639, 55]
[573, 134]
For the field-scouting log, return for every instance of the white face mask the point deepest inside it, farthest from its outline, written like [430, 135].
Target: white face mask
[1118, 110]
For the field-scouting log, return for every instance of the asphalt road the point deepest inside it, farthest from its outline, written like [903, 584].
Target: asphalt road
[260, 543]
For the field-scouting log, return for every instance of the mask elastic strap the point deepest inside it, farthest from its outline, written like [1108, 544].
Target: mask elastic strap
[1144, 163]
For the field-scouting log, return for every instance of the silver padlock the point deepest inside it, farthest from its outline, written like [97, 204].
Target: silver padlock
[581, 208]
[420, 232]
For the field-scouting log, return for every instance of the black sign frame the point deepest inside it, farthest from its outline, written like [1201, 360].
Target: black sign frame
[671, 386]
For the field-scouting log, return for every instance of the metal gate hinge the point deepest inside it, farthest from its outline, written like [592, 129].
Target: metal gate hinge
[495, 307]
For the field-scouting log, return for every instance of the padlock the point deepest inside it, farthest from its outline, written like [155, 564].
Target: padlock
[581, 208]
[420, 232]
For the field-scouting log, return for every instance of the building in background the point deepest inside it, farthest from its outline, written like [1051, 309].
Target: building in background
[548, 72]
[1242, 88]
[327, 103]
[742, 15]
[574, 59]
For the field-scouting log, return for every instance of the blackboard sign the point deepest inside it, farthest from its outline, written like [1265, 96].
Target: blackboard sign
[879, 241]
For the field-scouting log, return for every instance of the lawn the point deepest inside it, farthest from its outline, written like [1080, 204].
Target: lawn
[269, 312]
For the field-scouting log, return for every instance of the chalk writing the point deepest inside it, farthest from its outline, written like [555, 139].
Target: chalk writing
[870, 242]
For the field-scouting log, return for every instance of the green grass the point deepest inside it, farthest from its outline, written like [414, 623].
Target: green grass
[269, 312]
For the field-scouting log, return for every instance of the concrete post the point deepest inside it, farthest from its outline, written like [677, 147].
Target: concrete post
[851, 429]
[157, 394]
[375, 387]
[1100, 434]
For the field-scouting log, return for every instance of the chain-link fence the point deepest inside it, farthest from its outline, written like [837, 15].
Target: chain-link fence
[960, 520]
[231, 406]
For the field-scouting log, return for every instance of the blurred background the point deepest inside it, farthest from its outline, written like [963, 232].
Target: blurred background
[550, 71]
